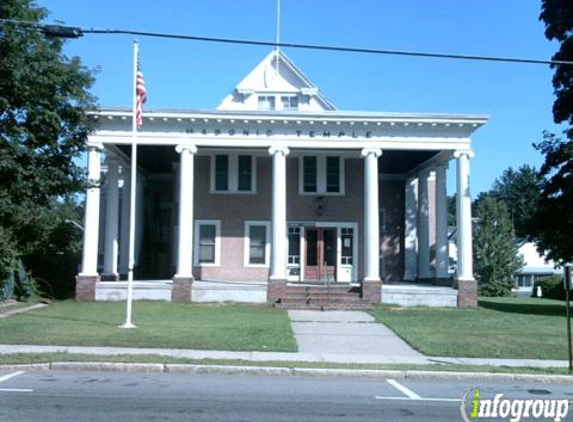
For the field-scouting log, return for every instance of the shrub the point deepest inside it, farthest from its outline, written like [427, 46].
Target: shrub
[551, 287]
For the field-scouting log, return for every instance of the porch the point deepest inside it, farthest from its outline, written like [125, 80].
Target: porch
[325, 296]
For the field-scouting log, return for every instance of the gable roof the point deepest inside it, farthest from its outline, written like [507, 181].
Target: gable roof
[276, 73]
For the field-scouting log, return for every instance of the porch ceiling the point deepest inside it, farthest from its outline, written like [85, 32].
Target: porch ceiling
[160, 159]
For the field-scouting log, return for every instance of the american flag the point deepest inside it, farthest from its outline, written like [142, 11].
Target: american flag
[140, 95]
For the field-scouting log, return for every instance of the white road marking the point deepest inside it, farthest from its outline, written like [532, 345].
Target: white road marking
[403, 389]
[13, 390]
[12, 375]
[420, 399]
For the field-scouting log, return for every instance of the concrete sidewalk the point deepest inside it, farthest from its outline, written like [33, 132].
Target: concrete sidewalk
[279, 356]
[348, 333]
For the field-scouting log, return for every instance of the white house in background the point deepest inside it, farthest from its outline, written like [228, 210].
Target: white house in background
[534, 267]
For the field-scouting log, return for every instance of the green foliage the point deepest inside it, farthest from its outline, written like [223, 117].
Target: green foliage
[551, 287]
[495, 249]
[43, 126]
[519, 191]
[552, 223]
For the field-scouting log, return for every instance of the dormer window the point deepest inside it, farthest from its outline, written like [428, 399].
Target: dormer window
[266, 102]
[290, 103]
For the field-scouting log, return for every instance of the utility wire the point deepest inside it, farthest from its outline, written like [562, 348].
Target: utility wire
[76, 32]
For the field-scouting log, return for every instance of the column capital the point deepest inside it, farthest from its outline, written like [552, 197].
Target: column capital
[94, 146]
[367, 151]
[186, 147]
[279, 150]
[467, 152]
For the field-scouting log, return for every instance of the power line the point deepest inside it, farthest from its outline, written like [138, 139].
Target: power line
[76, 32]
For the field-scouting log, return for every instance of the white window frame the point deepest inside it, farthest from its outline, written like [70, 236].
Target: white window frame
[320, 176]
[290, 98]
[233, 176]
[198, 224]
[267, 97]
[247, 243]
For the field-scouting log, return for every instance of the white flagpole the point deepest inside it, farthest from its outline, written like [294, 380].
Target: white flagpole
[132, 191]
[278, 34]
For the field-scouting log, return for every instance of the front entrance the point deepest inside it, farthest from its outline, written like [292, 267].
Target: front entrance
[320, 254]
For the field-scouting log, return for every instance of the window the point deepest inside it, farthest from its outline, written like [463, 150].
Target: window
[233, 173]
[347, 246]
[332, 174]
[266, 103]
[221, 172]
[207, 242]
[309, 174]
[294, 245]
[257, 247]
[245, 173]
[290, 103]
[321, 175]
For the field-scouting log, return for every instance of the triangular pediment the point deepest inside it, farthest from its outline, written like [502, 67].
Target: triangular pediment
[276, 76]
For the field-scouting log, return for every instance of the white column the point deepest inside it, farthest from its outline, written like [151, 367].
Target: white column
[91, 223]
[279, 218]
[464, 216]
[441, 223]
[111, 219]
[124, 236]
[185, 243]
[410, 236]
[423, 226]
[371, 210]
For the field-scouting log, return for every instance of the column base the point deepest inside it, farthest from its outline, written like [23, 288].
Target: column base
[181, 290]
[444, 281]
[372, 290]
[110, 277]
[276, 290]
[467, 293]
[86, 287]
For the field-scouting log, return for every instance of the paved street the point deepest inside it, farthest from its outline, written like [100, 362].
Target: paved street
[98, 396]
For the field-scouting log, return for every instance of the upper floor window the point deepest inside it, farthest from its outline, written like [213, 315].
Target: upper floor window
[321, 175]
[289, 103]
[266, 102]
[233, 173]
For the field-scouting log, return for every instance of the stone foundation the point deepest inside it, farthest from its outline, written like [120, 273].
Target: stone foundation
[86, 288]
[467, 293]
[372, 291]
[181, 290]
[276, 289]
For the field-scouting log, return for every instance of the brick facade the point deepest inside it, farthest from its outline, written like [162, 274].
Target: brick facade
[86, 287]
[182, 289]
[467, 293]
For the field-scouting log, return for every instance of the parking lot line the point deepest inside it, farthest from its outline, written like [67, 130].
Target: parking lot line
[9, 376]
[403, 389]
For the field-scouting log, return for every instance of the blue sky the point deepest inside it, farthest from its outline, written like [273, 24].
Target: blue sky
[193, 75]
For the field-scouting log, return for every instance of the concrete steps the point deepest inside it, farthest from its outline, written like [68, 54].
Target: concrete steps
[321, 297]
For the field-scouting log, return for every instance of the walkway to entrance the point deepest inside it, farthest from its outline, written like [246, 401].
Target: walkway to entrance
[346, 333]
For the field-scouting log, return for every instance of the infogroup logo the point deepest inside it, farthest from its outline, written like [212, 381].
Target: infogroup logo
[475, 407]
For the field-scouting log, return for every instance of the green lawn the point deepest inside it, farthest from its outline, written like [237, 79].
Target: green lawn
[159, 324]
[518, 328]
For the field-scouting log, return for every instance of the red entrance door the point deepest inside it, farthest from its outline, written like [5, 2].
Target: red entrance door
[320, 254]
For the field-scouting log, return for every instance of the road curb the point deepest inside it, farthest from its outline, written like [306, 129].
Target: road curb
[284, 371]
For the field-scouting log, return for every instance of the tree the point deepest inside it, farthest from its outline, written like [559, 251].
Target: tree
[519, 191]
[552, 224]
[43, 127]
[495, 248]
